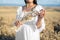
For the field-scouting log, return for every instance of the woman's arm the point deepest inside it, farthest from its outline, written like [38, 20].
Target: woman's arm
[40, 17]
[42, 25]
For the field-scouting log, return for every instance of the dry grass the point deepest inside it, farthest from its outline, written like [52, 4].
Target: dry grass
[52, 18]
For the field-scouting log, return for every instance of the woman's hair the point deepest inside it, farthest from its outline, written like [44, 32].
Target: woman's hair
[34, 1]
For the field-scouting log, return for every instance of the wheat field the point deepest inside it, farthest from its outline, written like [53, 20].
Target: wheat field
[8, 15]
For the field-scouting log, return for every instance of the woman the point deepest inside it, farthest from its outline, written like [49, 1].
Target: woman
[29, 30]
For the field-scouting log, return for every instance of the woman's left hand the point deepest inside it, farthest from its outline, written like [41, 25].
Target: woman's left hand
[41, 13]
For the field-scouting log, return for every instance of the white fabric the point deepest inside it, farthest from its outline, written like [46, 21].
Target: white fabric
[29, 31]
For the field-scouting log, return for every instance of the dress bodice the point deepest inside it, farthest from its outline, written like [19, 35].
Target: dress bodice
[28, 16]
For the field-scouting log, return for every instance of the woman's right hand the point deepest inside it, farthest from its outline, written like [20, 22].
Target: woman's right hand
[18, 23]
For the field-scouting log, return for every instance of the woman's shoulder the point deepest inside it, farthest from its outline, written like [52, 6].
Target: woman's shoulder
[19, 7]
[38, 7]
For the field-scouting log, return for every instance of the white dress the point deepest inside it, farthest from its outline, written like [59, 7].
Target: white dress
[29, 31]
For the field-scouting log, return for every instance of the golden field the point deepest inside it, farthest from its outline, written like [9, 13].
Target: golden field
[8, 15]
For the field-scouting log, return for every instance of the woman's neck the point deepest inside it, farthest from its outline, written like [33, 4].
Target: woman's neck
[29, 5]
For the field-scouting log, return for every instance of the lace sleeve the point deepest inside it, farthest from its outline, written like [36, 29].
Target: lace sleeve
[39, 8]
[42, 21]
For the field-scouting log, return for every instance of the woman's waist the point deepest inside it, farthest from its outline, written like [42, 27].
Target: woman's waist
[30, 23]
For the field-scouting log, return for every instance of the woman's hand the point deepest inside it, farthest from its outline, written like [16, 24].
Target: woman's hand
[41, 13]
[18, 23]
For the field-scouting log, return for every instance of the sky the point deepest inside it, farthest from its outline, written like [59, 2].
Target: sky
[43, 2]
